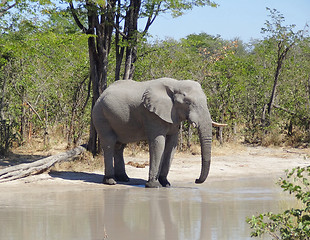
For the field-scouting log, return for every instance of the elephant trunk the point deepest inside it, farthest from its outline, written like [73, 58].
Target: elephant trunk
[205, 136]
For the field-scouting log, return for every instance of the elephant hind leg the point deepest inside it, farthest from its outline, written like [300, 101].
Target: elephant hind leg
[109, 176]
[119, 164]
[107, 141]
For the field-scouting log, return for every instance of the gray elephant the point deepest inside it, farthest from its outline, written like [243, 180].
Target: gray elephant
[129, 111]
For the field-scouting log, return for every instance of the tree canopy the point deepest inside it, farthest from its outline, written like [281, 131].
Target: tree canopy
[46, 80]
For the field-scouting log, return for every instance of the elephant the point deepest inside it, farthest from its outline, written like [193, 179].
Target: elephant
[129, 111]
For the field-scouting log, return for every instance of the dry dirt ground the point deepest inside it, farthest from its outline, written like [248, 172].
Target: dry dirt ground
[228, 161]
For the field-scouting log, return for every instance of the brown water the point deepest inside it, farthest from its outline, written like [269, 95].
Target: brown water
[215, 210]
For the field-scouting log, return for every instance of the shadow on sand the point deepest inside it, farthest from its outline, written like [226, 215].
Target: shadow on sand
[12, 159]
[92, 178]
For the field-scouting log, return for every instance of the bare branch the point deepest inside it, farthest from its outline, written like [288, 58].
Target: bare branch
[119, 31]
[35, 112]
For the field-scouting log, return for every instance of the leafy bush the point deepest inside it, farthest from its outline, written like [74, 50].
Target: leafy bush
[293, 223]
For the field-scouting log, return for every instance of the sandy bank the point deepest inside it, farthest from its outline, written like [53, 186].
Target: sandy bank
[227, 163]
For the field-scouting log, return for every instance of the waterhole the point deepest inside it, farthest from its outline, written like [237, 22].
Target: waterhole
[213, 210]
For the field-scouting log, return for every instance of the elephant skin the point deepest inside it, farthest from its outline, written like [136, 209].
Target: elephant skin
[129, 111]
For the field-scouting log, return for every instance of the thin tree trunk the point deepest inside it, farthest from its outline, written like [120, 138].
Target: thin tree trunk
[46, 134]
[128, 64]
[180, 145]
[309, 92]
[189, 136]
[2, 96]
[92, 141]
[23, 116]
[119, 50]
[282, 52]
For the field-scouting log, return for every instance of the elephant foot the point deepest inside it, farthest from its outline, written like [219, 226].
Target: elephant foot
[164, 182]
[152, 184]
[109, 180]
[122, 178]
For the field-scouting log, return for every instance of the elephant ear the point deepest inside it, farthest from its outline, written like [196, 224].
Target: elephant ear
[159, 100]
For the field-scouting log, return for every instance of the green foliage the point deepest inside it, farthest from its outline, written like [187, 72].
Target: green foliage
[43, 81]
[238, 80]
[44, 71]
[178, 7]
[169, 59]
[7, 136]
[293, 223]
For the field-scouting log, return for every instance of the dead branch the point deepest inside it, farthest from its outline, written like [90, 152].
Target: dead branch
[301, 117]
[27, 169]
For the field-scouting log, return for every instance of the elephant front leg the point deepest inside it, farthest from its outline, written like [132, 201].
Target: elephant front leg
[170, 148]
[157, 146]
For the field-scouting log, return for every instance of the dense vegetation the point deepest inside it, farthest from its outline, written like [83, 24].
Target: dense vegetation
[261, 89]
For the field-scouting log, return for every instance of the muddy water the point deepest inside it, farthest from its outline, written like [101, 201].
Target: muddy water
[215, 210]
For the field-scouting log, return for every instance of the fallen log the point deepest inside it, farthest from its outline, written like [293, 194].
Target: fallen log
[27, 169]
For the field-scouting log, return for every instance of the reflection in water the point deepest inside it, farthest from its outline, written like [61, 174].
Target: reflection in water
[215, 210]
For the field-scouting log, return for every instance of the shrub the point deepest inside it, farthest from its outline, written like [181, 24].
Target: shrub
[293, 223]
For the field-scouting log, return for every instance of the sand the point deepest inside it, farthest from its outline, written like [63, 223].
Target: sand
[228, 162]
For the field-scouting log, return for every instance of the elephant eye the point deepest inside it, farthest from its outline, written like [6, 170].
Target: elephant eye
[186, 101]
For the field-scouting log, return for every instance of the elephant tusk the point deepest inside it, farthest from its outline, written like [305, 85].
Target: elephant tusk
[215, 124]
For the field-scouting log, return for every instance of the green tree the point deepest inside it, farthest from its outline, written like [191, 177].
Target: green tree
[99, 19]
[284, 38]
[42, 76]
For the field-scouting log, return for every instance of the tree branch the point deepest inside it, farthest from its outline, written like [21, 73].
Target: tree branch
[119, 31]
[2, 11]
[35, 112]
[76, 19]
[151, 19]
[303, 118]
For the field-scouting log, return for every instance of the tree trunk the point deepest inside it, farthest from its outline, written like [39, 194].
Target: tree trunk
[119, 50]
[282, 52]
[131, 31]
[92, 141]
[99, 48]
[308, 92]
[219, 134]
[189, 136]
[180, 140]
[27, 169]
[23, 116]
[46, 134]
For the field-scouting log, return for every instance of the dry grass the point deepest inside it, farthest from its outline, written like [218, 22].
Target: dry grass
[35, 148]
[85, 162]
[227, 148]
[136, 149]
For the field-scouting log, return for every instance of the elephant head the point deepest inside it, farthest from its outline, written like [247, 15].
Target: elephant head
[175, 101]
